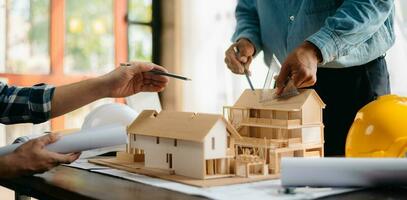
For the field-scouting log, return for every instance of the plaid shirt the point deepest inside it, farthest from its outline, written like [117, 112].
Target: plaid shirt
[25, 104]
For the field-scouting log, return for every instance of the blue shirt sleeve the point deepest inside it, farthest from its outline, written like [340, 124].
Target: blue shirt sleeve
[354, 22]
[25, 104]
[247, 23]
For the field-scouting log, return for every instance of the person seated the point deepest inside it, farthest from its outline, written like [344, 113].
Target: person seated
[41, 102]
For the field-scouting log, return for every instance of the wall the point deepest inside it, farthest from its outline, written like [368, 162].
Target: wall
[311, 135]
[218, 132]
[311, 113]
[187, 156]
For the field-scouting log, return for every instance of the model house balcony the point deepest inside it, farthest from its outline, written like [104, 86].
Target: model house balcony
[270, 123]
[244, 117]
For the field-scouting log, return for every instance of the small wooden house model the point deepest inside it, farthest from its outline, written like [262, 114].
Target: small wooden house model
[190, 144]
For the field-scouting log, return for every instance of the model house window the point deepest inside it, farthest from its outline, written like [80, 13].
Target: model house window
[158, 140]
[175, 142]
[228, 141]
[134, 138]
[213, 143]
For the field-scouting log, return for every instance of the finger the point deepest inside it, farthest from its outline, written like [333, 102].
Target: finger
[235, 65]
[310, 81]
[298, 78]
[159, 84]
[229, 65]
[148, 81]
[246, 66]
[138, 67]
[231, 60]
[155, 77]
[63, 158]
[244, 51]
[282, 78]
[158, 67]
[47, 139]
[151, 88]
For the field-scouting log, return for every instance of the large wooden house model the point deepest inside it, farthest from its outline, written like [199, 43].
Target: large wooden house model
[282, 127]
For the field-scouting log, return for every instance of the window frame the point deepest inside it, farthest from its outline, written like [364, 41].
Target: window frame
[155, 24]
[57, 76]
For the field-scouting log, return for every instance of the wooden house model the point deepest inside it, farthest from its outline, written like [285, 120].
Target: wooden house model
[270, 130]
[195, 145]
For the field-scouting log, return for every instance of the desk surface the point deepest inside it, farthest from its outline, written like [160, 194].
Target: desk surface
[69, 183]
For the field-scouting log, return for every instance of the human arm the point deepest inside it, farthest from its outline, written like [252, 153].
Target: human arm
[123, 81]
[247, 39]
[32, 157]
[40, 102]
[354, 22]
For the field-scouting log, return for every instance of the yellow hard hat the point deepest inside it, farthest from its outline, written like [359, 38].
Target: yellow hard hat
[379, 129]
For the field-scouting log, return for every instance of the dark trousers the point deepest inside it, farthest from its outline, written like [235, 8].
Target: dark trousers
[344, 92]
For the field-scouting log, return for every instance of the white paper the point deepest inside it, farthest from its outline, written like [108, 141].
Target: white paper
[84, 164]
[93, 138]
[343, 172]
[257, 190]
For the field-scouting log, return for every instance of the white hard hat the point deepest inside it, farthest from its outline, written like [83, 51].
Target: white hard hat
[113, 113]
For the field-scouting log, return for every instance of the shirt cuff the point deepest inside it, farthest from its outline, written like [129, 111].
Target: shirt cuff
[252, 38]
[327, 42]
[39, 102]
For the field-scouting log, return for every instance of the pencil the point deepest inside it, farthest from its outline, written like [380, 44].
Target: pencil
[159, 72]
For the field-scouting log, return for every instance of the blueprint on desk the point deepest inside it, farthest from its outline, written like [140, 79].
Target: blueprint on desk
[257, 190]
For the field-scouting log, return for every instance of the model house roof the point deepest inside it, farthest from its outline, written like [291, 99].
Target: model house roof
[177, 125]
[251, 99]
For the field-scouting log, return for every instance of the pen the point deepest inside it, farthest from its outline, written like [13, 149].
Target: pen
[159, 72]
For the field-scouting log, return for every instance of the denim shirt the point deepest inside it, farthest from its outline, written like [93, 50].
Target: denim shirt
[347, 32]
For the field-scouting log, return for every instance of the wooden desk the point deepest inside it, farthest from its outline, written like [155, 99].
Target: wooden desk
[69, 183]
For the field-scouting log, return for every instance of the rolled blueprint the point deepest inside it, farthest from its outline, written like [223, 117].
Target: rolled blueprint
[343, 172]
[83, 140]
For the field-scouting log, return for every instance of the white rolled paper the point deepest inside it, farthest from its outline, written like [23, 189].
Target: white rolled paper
[343, 172]
[83, 140]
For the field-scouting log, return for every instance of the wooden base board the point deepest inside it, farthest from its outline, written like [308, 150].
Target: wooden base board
[163, 174]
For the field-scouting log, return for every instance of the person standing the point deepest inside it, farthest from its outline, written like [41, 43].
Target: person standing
[336, 47]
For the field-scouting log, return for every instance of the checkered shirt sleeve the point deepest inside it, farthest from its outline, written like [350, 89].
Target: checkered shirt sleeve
[25, 104]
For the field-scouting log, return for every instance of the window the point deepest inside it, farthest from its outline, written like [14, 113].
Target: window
[228, 141]
[26, 36]
[213, 143]
[50, 35]
[89, 40]
[158, 140]
[134, 138]
[143, 30]
[175, 142]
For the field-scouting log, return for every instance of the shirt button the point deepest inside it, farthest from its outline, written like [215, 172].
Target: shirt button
[292, 18]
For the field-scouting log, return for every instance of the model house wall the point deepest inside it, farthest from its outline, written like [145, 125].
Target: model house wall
[186, 156]
[311, 111]
[215, 142]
